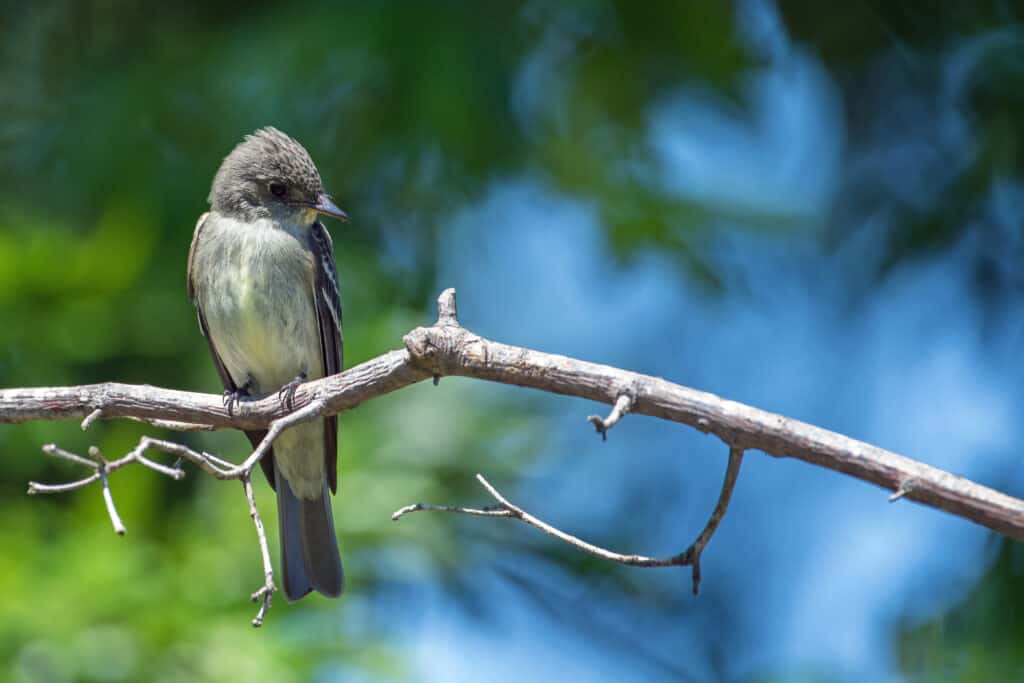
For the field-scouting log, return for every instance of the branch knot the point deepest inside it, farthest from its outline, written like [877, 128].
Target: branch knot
[447, 312]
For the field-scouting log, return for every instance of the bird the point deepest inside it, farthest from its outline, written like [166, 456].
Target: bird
[262, 277]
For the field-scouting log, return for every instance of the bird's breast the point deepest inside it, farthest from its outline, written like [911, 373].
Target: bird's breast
[257, 295]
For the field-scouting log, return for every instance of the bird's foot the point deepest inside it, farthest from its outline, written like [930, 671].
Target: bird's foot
[287, 393]
[233, 397]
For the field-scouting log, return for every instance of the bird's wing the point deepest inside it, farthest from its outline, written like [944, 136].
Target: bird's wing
[225, 376]
[255, 436]
[192, 254]
[328, 313]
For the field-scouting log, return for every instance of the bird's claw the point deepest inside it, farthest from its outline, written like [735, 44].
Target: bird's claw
[287, 393]
[232, 397]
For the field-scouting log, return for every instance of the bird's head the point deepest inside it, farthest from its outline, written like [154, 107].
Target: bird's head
[270, 175]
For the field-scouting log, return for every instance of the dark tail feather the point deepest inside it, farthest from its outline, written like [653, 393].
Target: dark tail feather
[309, 549]
[320, 545]
[293, 566]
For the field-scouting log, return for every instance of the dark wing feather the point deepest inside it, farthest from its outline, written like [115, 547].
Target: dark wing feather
[225, 377]
[328, 313]
[191, 255]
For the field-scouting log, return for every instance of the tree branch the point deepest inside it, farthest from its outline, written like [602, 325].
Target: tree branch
[266, 591]
[448, 349]
[691, 556]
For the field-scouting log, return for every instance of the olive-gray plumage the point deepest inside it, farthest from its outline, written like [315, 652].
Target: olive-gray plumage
[261, 275]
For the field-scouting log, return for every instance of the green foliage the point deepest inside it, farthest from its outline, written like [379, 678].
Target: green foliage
[979, 639]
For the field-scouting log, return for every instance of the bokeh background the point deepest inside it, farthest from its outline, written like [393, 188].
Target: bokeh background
[810, 207]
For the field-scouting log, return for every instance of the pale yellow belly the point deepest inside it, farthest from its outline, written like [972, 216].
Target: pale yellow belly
[256, 294]
[259, 307]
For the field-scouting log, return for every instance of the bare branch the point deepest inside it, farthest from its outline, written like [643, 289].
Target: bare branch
[690, 557]
[266, 591]
[35, 487]
[108, 497]
[906, 486]
[693, 553]
[448, 349]
[90, 418]
[135, 455]
[209, 463]
[489, 511]
[55, 451]
[191, 411]
[447, 312]
[174, 425]
[621, 407]
[304, 414]
[524, 516]
[506, 509]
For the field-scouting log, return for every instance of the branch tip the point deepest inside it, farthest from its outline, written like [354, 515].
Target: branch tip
[693, 553]
[90, 418]
[906, 486]
[266, 592]
[403, 511]
[54, 451]
[486, 511]
[108, 500]
[447, 312]
[601, 425]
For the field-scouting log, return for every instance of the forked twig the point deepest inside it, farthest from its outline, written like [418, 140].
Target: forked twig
[209, 463]
[691, 556]
[266, 591]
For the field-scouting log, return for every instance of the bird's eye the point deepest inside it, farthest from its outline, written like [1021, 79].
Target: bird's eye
[278, 189]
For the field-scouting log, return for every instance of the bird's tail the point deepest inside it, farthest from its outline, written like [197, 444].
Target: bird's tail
[309, 549]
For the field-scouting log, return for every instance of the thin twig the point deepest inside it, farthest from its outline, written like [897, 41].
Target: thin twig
[507, 509]
[90, 418]
[622, 405]
[35, 487]
[693, 553]
[209, 463]
[204, 461]
[489, 511]
[221, 469]
[53, 450]
[906, 486]
[523, 515]
[309, 412]
[108, 497]
[266, 592]
[174, 425]
[690, 557]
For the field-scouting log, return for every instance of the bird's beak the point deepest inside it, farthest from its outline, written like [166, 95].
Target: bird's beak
[327, 207]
